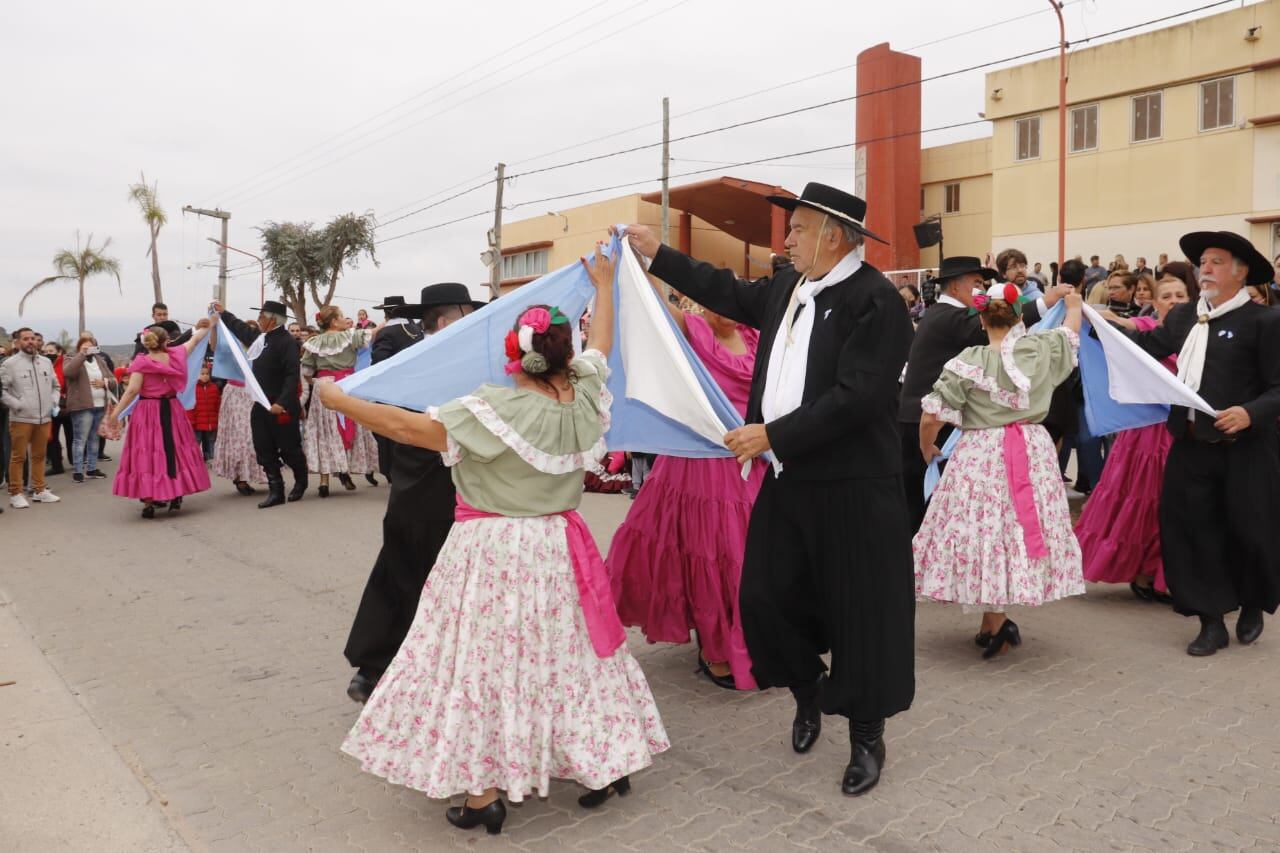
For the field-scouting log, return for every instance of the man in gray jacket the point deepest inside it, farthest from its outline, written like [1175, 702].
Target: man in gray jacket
[30, 391]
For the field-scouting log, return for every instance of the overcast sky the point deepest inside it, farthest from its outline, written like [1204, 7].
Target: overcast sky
[298, 111]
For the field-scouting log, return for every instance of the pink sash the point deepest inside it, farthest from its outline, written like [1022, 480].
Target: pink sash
[1018, 471]
[595, 595]
[346, 426]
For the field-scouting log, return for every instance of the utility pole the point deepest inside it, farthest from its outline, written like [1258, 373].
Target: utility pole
[666, 171]
[220, 293]
[495, 238]
[1062, 133]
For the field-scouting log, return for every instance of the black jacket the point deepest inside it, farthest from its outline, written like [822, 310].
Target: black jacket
[846, 426]
[1241, 366]
[393, 339]
[278, 369]
[943, 333]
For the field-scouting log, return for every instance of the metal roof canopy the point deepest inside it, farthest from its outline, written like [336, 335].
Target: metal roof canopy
[736, 206]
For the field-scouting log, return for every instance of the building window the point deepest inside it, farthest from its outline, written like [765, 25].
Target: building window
[1028, 146]
[1147, 120]
[953, 199]
[1084, 128]
[1218, 103]
[524, 264]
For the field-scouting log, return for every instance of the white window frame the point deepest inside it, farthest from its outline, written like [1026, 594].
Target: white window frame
[1071, 128]
[1133, 119]
[1200, 104]
[946, 198]
[1017, 136]
[525, 264]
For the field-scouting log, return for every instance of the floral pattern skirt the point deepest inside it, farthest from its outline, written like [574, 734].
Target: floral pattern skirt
[970, 549]
[322, 443]
[497, 684]
[233, 455]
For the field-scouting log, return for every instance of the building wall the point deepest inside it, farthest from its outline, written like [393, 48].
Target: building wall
[967, 232]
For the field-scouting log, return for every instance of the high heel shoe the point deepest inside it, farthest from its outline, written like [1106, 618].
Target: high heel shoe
[149, 511]
[244, 488]
[1007, 635]
[982, 639]
[490, 817]
[324, 490]
[596, 797]
[371, 480]
[725, 681]
[1142, 593]
[175, 505]
[345, 480]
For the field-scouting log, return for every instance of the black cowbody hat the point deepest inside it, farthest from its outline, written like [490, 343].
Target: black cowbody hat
[272, 307]
[445, 293]
[846, 207]
[959, 265]
[1194, 244]
[389, 303]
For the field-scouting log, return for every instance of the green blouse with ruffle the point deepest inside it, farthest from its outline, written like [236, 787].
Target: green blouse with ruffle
[519, 453]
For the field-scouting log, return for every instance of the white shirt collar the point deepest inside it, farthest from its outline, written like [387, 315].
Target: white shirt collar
[397, 321]
[948, 299]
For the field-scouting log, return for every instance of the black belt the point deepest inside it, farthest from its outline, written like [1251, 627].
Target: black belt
[166, 427]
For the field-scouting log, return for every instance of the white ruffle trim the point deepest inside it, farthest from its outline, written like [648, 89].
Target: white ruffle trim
[933, 404]
[1017, 400]
[1020, 380]
[452, 454]
[1074, 340]
[329, 344]
[547, 463]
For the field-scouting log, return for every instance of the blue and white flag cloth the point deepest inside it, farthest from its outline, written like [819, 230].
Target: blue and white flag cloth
[664, 399]
[231, 362]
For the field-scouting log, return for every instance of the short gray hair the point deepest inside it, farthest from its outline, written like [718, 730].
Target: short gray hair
[848, 233]
[278, 319]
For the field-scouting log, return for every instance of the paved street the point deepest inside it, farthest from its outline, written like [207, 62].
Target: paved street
[180, 684]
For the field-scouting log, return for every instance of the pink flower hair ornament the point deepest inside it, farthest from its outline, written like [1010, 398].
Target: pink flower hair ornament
[535, 321]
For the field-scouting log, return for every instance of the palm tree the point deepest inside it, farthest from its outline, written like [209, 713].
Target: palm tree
[78, 266]
[144, 197]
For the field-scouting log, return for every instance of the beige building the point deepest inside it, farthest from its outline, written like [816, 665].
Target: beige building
[1168, 132]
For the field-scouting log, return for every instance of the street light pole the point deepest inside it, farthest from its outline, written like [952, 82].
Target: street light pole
[262, 284]
[1062, 133]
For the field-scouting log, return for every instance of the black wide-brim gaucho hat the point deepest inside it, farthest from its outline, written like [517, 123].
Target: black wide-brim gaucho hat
[272, 307]
[959, 265]
[1194, 244]
[445, 293]
[846, 207]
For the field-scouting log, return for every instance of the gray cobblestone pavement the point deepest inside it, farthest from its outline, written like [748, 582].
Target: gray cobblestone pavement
[203, 654]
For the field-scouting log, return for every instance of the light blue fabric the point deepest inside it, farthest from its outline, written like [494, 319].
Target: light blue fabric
[224, 363]
[933, 474]
[1103, 415]
[195, 359]
[468, 353]
[364, 358]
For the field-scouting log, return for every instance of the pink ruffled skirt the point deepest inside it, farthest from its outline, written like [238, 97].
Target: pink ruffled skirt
[143, 471]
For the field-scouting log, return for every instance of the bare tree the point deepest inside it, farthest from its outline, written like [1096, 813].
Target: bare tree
[78, 266]
[145, 198]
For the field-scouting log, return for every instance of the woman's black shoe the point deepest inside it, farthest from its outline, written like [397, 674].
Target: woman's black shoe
[371, 480]
[725, 681]
[324, 490]
[345, 480]
[596, 797]
[244, 488]
[490, 817]
[1213, 636]
[149, 511]
[1142, 593]
[982, 639]
[1007, 635]
[175, 505]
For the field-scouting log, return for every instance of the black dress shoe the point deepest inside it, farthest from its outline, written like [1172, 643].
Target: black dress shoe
[596, 797]
[275, 494]
[149, 511]
[490, 817]
[361, 686]
[1213, 636]
[866, 760]
[1249, 625]
[1142, 593]
[725, 681]
[1008, 635]
[296, 493]
[345, 480]
[807, 724]
[244, 488]
[371, 480]
[175, 504]
[323, 490]
[982, 639]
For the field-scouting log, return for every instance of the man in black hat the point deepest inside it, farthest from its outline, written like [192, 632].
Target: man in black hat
[277, 437]
[1218, 534]
[947, 327]
[828, 562]
[419, 511]
[398, 332]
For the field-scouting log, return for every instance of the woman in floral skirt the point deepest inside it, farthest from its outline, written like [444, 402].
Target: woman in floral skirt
[998, 529]
[515, 670]
[335, 445]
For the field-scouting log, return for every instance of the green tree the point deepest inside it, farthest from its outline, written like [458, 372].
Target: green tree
[64, 340]
[77, 266]
[343, 241]
[153, 214]
[303, 259]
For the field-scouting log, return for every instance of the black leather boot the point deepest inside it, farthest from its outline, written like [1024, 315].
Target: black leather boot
[866, 757]
[807, 724]
[298, 490]
[1249, 625]
[275, 492]
[1213, 636]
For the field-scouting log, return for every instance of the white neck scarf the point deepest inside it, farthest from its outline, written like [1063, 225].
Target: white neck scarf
[1196, 346]
[789, 358]
[258, 345]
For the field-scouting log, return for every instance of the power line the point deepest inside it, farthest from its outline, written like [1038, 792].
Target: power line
[437, 203]
[236, 186]
[242, 199]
